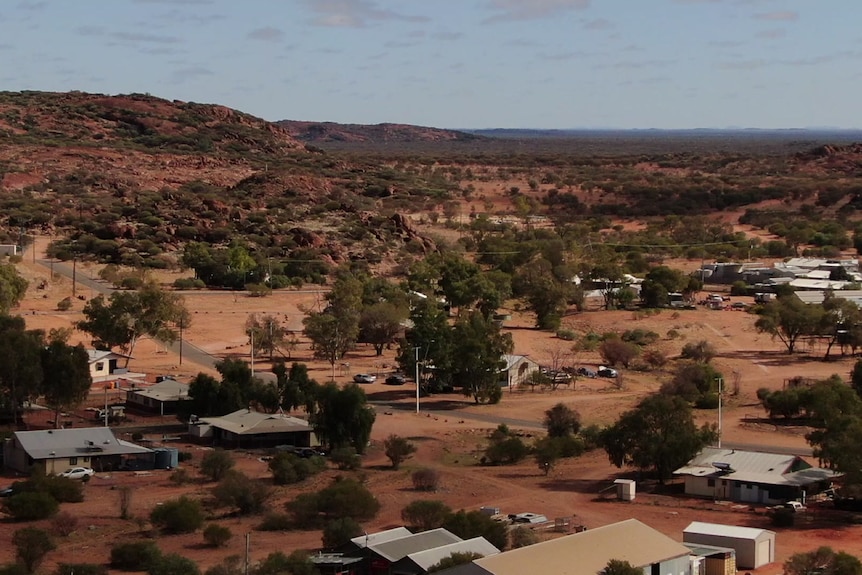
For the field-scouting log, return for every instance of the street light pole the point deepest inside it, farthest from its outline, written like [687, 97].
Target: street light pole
[720, 393]
[416, 349]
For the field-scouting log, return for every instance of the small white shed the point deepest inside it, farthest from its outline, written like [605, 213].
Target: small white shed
[754, 547]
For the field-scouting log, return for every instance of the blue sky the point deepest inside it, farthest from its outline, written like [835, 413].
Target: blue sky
[456, 63]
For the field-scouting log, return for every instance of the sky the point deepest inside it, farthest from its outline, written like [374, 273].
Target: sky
[553, 64]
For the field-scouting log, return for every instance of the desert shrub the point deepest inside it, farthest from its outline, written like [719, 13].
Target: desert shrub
[522, 537]
[707, 401]
[131, 282]
[504, 448]
[80, 569]
[183, 456]
[216, 535]
[561, 420]
[640, 336]
[30, 506]
[189, 283]
[654, 358]
[31, 546]
[345, 458]
[673, 334]
[276, 522]
[569, 445]
[232, 565]
[216, 464]
[338, 532]
[241, 492]
[618, 352]
[183, 515]
[180, 476]
[64, 304]
[739, 288]
[783, 517]
[62, 489]
[762, 394]
[397, 449]
[277, 563]
[347, 498]
[691, 381]
[470, 524]
[289, 468]
[701, 351]
[425, 479]
[425, 514]
[134, 555]
[592, 437]
[566, 335]
[64, 524]
[173, 564]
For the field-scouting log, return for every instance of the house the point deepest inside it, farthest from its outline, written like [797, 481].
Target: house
[247, 428]
[336, 564]
[419, 562]
[588, 552]
[516, 371]
[59, 449]
[383, 555]
[163, 397]
[9, 250]
[754, 548]
[752, 476]
[103, 364]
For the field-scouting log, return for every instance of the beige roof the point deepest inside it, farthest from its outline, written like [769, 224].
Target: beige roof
[754, 467]
[588, 552]
[248, 422]
[430, 557]
[165, 390]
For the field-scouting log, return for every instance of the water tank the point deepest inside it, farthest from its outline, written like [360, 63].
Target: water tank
[625, 489]
[166, 457]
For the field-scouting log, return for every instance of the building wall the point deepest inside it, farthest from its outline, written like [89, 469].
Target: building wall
[677, 566]
[726, 489]
[8, 250]
[746, 549]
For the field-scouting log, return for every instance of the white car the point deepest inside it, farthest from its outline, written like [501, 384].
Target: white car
[364, 378]
[78, 473]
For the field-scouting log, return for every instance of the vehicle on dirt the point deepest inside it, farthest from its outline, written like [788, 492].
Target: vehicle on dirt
[586, 372]
[605, 371]
[395, 379]
[78, 472]
[7, 492]
[364, 378]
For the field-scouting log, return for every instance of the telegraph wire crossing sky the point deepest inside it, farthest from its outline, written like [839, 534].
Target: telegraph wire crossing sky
[456, 63]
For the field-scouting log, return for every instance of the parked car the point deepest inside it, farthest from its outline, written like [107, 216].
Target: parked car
[396, 379]
[364, 378]
[78, 473]
[586, 372]
[605, 371]
[7, 492]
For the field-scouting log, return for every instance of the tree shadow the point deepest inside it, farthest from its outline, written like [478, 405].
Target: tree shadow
[586, 486]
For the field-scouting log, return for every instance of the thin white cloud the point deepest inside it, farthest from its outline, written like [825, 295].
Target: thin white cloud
[772, 33]
[353, 13]
[598, 24]
[267, 34]
[32, 6]
[518, 10]
[136, 37]
[779, 16]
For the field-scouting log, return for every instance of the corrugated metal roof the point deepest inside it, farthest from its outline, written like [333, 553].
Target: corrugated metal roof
[720, 530]
[430, 557]
[380, 537]
[754, 467]
[165, 390]
[92, 441]
[397, 549]
[588, 552]
[248, 422]
[100, 354]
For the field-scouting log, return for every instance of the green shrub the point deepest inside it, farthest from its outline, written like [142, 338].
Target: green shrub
[276, 522]
[567, 335]
[217, 535]
[216, 464]
[289, 468]
[425, 479]
[62, 489]
[338, 532]
[246, 495]
[183, 515]
[425, 514]
[398, 449]
[134, 555]
[30, 506]
[508, 451]
[64, 524]
[64, 304]
[31, 546]
[173, 564]
[345, 458]
[189, 283]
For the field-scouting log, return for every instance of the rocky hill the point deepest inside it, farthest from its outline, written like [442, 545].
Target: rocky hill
[327, 132]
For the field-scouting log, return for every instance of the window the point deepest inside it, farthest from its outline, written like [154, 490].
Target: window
[73, 461]
[100, 365]
[86, 460]
[710, 482]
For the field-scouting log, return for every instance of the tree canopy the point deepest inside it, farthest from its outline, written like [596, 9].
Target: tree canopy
[12, 287]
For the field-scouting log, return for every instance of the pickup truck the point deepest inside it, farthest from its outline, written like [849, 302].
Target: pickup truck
[794, 506]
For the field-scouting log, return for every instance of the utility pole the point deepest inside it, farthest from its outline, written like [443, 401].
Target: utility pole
[720, 392]
[74, 274]
[252, 351]
[416, 349]
[247, 543]
[106, 406]
[182, 321]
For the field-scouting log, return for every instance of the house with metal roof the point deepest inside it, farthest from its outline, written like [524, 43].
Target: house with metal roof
[516, 370]
[753, 547]
[163, 397]
[248, 428]
[419, 562]
[587, 553]
[384, 555]
[368, 539]
[752, 476]
[59, 449]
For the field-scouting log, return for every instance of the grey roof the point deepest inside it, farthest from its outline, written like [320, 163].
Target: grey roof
[100, 354]
[817, 296]
[754, 467]
[165, 390]
[733, 531]
[380, 537]
[92, 441]
[430, 557]
[396, 549]
[248, 422]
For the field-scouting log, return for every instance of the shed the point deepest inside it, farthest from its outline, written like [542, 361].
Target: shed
[626, 489]
[711, 560]
[516, 370]
[420, 562]
[754, 547]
